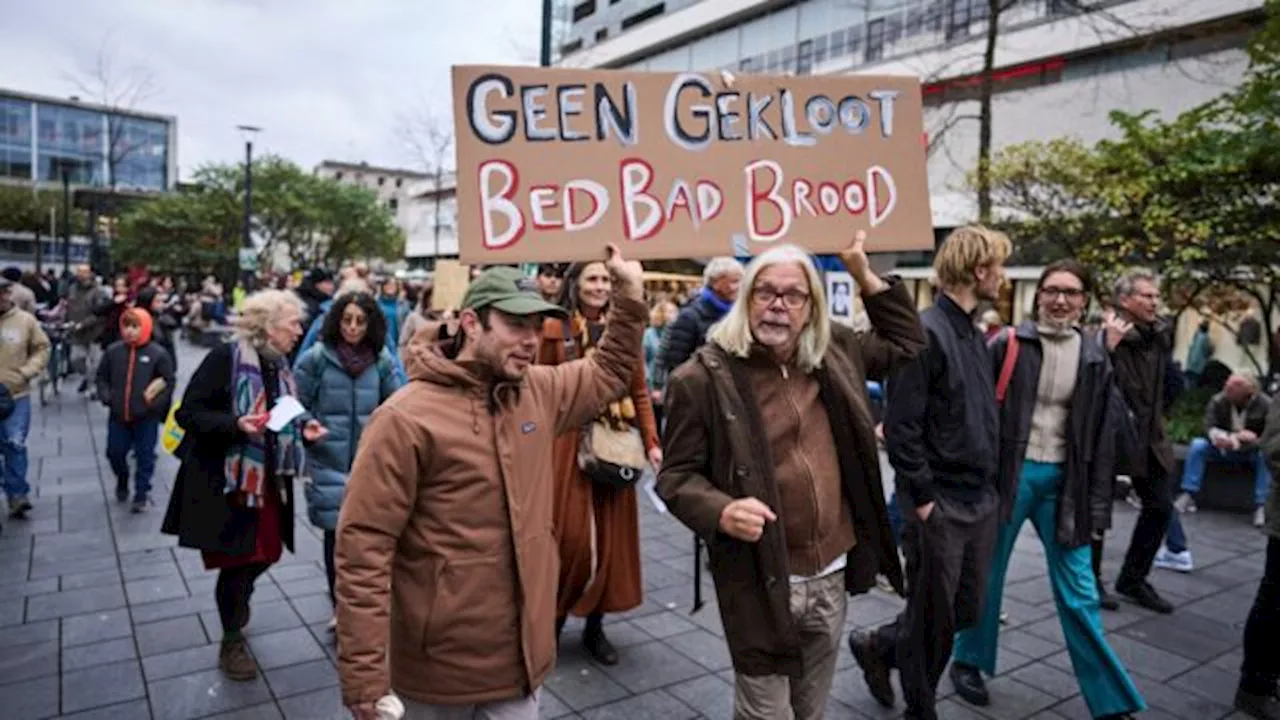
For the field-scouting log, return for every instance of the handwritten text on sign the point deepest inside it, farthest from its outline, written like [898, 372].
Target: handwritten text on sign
[680, 164]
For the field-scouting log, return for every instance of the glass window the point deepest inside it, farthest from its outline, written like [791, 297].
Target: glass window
[837, 43]
[958, 19]
[773, 62]
[933, 16]
[139, 154]
[915, 21]
[855, 38]
[804, 58]
[875, 40]
[770, 31]
[15, 139]
[820, 48]
[788, 58]
[70, 140]
[713, 51]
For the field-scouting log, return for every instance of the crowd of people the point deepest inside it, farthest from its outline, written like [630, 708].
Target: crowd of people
[474, 472]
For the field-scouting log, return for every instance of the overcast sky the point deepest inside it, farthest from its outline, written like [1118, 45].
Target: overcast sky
[325, 79]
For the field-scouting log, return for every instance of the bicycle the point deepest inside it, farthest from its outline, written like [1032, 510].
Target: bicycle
[59, 365]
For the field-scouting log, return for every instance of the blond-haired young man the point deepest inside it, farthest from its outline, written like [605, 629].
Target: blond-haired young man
[942, 435]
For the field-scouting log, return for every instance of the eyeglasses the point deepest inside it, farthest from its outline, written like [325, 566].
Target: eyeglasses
[1052, 293]
[792, 299]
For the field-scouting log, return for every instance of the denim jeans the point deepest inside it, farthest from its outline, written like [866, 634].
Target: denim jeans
[139, 437]
[13, 447]
[1202, 452]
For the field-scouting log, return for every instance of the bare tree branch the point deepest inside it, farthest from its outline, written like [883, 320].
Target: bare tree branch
[428, 137]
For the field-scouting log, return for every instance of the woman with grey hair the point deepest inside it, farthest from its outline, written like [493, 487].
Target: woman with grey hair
[233, 496]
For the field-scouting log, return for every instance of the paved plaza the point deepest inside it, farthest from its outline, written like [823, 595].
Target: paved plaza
[101, 616]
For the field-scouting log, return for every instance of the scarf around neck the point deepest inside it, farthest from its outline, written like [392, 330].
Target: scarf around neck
[355, 359]
[619, 413]
[245, 467]
[720, 304]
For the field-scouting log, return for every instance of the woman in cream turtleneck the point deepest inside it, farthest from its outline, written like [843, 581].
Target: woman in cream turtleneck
[1056, 469]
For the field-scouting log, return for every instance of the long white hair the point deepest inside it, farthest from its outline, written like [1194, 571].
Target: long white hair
[733, 332]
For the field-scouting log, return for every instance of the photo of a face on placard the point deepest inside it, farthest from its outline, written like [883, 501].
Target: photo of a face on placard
[555, 163]
[840, 296]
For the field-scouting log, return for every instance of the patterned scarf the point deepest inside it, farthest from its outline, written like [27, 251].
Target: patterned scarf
[245, 467]
[620, 413]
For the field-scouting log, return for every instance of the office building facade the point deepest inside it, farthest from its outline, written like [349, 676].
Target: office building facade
[43, 138]
[1058, 71]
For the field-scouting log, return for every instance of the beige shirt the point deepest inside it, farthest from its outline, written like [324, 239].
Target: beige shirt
[1058, 370]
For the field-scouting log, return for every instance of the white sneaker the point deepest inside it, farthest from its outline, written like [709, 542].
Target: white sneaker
[1178, 562]
[1259, 517]
[1185, 503]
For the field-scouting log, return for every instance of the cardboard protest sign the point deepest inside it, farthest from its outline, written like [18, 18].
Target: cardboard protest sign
[451, 279]
[554, 163]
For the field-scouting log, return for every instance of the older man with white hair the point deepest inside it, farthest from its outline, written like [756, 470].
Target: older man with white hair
[687, 333]
[770, 456]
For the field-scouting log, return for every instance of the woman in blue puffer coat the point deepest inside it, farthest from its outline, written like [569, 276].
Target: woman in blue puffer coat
[342, 379]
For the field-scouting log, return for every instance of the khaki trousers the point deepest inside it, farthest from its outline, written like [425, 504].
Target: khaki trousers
[818, 607]
[522, 708]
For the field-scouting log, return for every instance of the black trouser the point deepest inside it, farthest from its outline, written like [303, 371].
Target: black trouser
[235, 586]
[330, 542]
[948, 562]
[1261, 668]
[1156, 494]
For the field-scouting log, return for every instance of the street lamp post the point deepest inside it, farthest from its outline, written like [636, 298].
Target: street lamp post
[545, 56]
[248, 131]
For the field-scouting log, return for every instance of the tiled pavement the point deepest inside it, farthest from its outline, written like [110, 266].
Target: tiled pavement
[102, 617]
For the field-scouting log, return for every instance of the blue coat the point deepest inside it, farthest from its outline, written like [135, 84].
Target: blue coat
[343, 405]
[312, 338]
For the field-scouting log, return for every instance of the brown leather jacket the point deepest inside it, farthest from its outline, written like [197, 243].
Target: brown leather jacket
[445, 547]
[715, 451]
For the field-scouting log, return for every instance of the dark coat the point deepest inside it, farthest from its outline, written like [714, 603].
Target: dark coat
[1141, 361]
[716, 451]
[199, 512]
[1217, 414]
[686, 334]
[146, 364]
[1084, 501]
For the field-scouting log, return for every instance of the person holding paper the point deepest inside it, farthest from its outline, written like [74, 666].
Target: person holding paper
[342, 379]
[446, 556]
[135, 380]
[233, 496]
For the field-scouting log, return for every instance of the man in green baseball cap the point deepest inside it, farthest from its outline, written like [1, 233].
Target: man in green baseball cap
[454, 475]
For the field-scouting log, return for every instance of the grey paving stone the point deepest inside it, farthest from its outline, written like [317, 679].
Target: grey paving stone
[298, 679]
[1047, 679]
[23, 589]
[23, 662]
[53, 568]
[702, 647]
[319, 705]
[266, 618]
[180, 662]
[167, 609]
[1027, 644]
[581, 685]
[203, 693]
[1013, 700]
[653, 705]
[313, 608]
[1138, 657]
[101, 685]
[1031, 592]
[663, 625]
[169, 635]
[1211, 683]
[90, 579]
[1186, 634]
[550, 706]
[155, 589]
[95, 627]
[297, 571]
[284, 648]
[29, 633]
[652, 665]
[12, 611]
[709, 695]
[75, 602]
[1175, 699]
[148, 564]
[30, 699]
[950, 709]
[266, 711]
[304, 587]
[132, 710]
[107, 651]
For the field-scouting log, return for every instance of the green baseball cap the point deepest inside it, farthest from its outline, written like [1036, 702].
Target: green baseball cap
[510, 291]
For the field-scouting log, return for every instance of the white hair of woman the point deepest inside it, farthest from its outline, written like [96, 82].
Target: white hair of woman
[733, 332]
[261, 311]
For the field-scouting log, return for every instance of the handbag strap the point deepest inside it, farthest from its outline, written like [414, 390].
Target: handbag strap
[1006, 370]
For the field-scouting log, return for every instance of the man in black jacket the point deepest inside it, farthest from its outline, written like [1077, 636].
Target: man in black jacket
[688, 331]
[1234, 421]
[942, 435]
[1140, 345]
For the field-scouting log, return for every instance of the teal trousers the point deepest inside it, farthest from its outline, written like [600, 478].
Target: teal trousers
[1104, 683]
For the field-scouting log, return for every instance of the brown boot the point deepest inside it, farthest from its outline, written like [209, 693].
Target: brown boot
[235, 661]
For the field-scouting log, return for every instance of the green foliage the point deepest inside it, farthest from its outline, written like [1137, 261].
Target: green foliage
[314, 220]
[1193, 197]
[1185, 420]
[22, 210]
